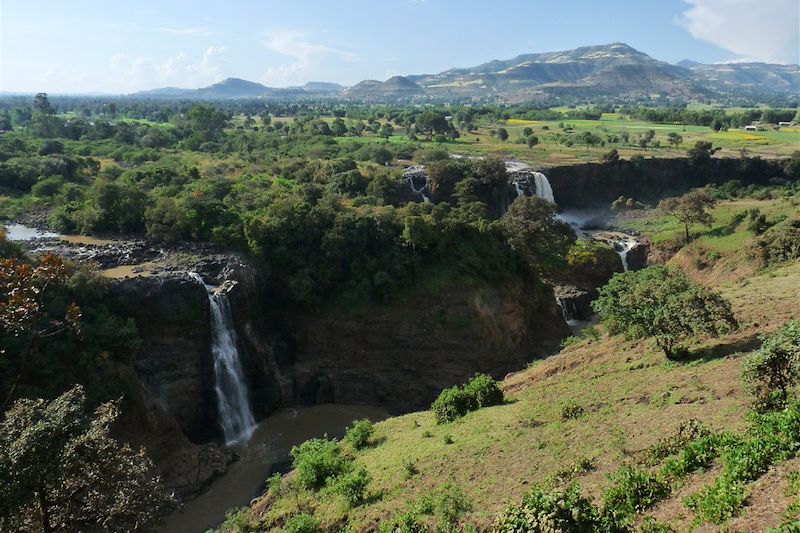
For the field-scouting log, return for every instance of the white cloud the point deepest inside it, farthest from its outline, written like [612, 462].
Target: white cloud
[180, 69]
[760, 30]
[307, 57]
[186, 32]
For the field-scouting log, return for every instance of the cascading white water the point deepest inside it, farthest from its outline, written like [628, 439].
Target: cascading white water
[622, 248]
[543, 188]
[235, 415]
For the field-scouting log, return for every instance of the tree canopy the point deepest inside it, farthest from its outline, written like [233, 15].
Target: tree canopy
[60, 470]
[663, 304]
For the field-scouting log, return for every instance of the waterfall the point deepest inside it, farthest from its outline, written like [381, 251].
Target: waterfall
[235, 414]
[415, 173]
[520, 175]
[543, 188]
[622, 248]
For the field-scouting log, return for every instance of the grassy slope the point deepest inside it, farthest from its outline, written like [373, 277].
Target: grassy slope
[632, 397]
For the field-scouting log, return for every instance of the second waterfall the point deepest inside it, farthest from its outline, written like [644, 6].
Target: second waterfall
[233, 400]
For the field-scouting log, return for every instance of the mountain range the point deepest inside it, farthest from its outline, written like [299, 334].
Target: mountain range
[614, 70]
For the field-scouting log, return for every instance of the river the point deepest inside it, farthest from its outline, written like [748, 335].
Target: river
[266, 449]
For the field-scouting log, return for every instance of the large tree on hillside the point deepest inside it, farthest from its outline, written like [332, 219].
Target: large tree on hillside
[60, 470]
[691, 208]
[663, 304]
[533, 229]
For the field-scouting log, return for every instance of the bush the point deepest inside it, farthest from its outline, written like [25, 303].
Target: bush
[452, 403]
[718, 502]
[772, 371]
[697, 454]
[634, 490]
[781, 242]
[302, 523]
[455, 402]
[316, 460]
[542, 512]
[352, 486]
[359, 435]
[571, 410]
[48, 186]
[484, 390]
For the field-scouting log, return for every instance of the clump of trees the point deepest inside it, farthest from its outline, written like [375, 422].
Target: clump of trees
[61, 470]
[663, 304]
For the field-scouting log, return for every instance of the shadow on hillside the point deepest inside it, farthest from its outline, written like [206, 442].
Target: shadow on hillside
[723, 349]
[722, 231]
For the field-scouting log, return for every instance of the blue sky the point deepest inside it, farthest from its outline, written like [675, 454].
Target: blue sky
[123, 46]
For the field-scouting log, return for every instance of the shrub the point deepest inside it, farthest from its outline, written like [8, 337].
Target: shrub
[275, 484]
[455, 402]
[772, 371]
[352, 486]
[571, 410]
[316, 460]
[359, 435]
[410, 469]
[302, 523]
[449, 504]
[697, 454]
[781, 242]
[634, 490]
[404, 522]
[718, 502]
[48, 186]
[484, 390]
[543, 511]
[452, 403]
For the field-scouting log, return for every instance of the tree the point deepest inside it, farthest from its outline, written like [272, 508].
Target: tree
[431, 122]
[675, 139]
[772, 371]
[27, 291]
[612, 156]
[502, 134]
[691, 208]
[664, 304]
[701, 152]
[532, 228]
[60, 470]
[532, 141]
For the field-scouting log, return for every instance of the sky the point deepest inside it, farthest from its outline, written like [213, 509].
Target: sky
[116, 46]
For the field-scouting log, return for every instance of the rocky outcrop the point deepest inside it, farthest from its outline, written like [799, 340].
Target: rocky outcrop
[638, 254]
[575, 303]
[400, 356]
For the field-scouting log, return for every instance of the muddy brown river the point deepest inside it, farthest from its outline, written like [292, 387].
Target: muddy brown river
[269, 446]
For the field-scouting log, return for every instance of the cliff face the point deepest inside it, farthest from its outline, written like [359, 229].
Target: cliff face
[597, 185]
[174, 363]
[400, 356]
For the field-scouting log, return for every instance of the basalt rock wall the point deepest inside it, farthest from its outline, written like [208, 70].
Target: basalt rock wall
[648, 180]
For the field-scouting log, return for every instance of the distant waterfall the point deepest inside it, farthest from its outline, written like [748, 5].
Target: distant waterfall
[235, 414]
[528, 182]
[417, 179]
[622, 248]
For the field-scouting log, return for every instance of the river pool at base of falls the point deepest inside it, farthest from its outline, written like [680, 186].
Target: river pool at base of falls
[269, 445]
